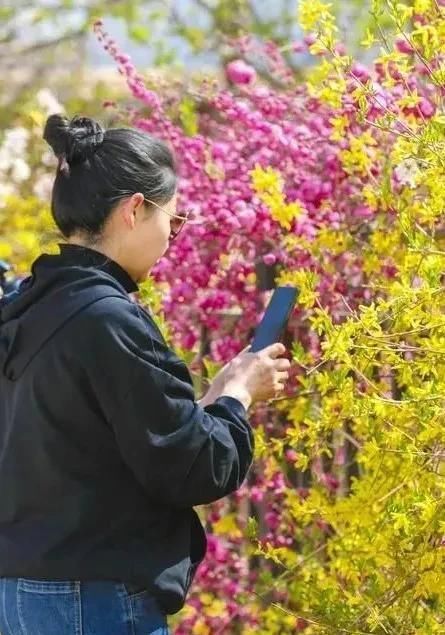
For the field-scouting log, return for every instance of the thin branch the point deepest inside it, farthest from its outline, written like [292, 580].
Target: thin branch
[40, 46]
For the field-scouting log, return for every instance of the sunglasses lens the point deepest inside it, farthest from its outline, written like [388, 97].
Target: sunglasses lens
[176, 225]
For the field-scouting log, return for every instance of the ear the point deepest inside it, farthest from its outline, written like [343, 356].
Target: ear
[130, 208]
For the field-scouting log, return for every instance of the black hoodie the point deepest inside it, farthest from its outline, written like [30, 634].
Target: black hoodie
[103, 448]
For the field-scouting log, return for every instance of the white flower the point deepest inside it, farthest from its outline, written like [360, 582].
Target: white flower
[20, 171]
[6, 189]
[43, 186]
[407, 172]
[48, 102]
[5, 160]
[49, 159]
[15, 140]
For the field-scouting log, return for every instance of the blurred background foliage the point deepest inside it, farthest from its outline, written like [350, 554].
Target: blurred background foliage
[51, 40]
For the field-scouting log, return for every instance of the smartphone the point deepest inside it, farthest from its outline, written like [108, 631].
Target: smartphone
[275, 319]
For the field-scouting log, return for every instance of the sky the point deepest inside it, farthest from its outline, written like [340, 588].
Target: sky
[144, 54]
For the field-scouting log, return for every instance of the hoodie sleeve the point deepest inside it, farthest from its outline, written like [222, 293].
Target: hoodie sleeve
[181, 453]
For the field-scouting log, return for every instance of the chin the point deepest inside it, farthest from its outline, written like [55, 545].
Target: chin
[143, 276]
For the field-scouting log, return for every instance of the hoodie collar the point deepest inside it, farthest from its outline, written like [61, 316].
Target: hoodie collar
[59, 287]
[81, 256]
[57, 290]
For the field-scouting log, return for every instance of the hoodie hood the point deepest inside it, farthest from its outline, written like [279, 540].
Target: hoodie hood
[44, 302]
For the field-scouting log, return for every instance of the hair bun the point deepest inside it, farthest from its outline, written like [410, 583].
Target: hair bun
[73, 141]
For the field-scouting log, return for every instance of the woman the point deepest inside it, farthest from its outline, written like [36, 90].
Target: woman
[104, 450]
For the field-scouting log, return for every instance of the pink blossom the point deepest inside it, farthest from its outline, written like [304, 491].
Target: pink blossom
[403, 46]
[426, 108]
[272, 520]
[361, 72]
[269, 259]
[298, 47]
[291, 456]
[310, 39]
[256, 494]
[363, 211]
[340, 48]
[238, 72]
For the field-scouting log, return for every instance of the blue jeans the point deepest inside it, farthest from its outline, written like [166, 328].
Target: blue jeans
[36, 607]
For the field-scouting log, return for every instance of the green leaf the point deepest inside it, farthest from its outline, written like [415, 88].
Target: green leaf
[164, 57]
[195, 37]
[188, 116]
[6, 13]
[211, 367]
[252, 528]
[139, 33]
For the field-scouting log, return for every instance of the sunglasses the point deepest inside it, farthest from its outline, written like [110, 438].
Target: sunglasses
[177, 222]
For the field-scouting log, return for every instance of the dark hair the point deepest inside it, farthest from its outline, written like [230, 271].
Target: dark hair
[98, 167]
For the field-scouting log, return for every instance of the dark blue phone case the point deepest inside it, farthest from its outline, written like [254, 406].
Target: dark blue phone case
[271, 327]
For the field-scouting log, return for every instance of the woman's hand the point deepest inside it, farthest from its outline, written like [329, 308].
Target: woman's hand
[251, 377]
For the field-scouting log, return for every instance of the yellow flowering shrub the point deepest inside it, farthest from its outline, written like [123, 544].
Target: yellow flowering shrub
[369, 412]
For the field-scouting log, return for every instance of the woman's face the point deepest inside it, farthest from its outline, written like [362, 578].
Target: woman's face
[140, 234]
